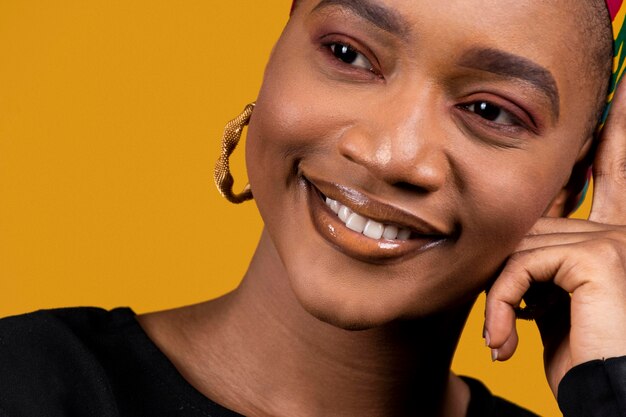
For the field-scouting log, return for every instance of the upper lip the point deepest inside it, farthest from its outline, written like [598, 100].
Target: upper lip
[369, 207]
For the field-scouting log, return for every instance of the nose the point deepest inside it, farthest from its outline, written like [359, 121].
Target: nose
[403, 149]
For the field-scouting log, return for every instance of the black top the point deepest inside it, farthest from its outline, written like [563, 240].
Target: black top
[92, 362]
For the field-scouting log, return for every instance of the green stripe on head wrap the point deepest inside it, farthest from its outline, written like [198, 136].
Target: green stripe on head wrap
[617, 11]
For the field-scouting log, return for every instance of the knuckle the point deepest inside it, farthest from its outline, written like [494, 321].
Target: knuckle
[606, 250]
[517, 288]
[620, 170]
[618, 235]
[514, 280]
[516, 260]
[615, 170]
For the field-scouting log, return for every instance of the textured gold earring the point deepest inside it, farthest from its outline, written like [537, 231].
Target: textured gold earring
[223, 178]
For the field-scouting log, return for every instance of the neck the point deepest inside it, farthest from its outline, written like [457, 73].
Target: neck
[257, 351]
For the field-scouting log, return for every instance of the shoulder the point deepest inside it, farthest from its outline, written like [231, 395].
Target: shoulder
[49, 333]
[43, 320]
[47, 354]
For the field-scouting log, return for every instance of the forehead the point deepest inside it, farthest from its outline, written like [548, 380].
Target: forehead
[535, 24]
[506, 19]
[541, 39]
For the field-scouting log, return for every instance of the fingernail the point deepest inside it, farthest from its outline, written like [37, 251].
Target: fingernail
[487, 338]
[494, 355]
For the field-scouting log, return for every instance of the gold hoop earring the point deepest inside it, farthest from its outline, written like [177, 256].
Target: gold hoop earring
[223, 178]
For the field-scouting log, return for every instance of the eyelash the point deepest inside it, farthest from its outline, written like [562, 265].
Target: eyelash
[483, 105]
[330, 48]
[516, 122]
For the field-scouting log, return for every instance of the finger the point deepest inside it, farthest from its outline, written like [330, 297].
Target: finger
[500, 331]
[520, 272]
[505, 351]
[556, 239]
[544, 264]
[546, 225]
[609, 166]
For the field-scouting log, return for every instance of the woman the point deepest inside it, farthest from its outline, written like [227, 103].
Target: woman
[402, 155]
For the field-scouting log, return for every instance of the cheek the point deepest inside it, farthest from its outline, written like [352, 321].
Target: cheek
[299, 109]
[285, 128]
[504, 202]
[289, 124]
[281, 133]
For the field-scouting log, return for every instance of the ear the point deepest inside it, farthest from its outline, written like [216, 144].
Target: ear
[567, 199]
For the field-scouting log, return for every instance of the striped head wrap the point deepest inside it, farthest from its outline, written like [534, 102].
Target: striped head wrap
[617, 9]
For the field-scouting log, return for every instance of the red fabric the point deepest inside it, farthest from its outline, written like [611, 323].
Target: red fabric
[614, 6]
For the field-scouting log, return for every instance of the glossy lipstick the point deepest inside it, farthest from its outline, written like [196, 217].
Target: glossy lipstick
[423, 235]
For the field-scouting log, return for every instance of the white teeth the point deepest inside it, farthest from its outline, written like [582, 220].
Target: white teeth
[356, 223]
[344, 213]
[334, 205]
[368, 227]
[374, 229]
[391, 232]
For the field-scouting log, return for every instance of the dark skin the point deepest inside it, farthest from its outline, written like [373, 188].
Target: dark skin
[459, 146]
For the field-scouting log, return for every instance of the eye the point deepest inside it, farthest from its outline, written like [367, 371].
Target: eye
[491, 112]
[350, 56]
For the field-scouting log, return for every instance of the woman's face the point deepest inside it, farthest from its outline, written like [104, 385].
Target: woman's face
[459, 121]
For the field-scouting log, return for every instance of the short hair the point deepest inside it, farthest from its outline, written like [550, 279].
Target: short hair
[598, 30]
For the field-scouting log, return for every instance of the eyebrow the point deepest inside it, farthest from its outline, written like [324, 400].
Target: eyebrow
[514, 66]
[382, 17]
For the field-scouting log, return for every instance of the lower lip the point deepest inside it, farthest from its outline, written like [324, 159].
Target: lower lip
[357, 245]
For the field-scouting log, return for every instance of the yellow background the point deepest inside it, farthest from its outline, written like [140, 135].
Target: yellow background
[110, 119]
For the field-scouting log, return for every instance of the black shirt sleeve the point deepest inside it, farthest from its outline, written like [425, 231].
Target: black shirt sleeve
[594, 389]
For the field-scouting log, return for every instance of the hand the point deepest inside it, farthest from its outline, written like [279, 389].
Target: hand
[581, 265]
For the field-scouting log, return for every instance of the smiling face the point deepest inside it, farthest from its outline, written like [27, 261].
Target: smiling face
[439, 132]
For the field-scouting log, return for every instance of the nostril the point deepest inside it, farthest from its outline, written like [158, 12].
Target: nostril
[349, 157]
[410, 187]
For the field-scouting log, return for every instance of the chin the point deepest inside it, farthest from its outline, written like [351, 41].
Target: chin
[356, 312]
[343, 318]
[345, 322]
[370, 302]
